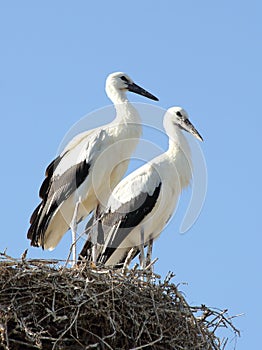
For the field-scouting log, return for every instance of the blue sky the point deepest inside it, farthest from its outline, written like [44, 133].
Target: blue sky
[202, 55]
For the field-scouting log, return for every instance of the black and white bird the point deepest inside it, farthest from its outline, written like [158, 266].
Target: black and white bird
[89, 167]
[142, 203]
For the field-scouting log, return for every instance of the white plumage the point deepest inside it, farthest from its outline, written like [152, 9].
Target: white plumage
[88, 168]
[142, 203]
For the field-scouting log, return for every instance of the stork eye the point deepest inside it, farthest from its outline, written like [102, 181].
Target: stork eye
[179, 114]
[124, 78]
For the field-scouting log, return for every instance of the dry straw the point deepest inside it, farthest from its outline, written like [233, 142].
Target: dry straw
[44, 305]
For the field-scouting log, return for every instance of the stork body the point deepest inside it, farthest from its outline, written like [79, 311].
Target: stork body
[88, 168]
[142, 203]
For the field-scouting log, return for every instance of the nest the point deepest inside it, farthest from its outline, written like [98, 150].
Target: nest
[44, 305]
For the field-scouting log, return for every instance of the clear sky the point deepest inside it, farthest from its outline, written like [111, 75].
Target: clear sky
[203, 55]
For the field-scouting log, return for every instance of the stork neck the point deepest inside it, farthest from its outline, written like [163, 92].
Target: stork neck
[116, 95]
[174, 135]
[180, 155]
[177, 141]
[127, 113]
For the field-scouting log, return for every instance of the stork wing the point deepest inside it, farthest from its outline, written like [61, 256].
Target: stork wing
[63, 176]
[131, 201]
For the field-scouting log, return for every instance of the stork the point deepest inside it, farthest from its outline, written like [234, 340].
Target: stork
[83, 175]
[142, 203]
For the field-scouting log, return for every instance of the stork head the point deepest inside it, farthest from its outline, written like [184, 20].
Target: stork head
[179, 117]
[119, 83]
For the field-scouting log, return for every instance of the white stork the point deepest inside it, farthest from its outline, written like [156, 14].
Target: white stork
[142, 203]
[93, 162]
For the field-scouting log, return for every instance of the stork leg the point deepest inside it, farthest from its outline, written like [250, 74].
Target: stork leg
[141, 248]
[94, 237]
[94, 247]
[73, 226]
[149, 252]
[128, 260]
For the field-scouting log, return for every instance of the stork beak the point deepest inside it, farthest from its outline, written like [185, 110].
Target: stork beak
[189, 127]
[140, 91]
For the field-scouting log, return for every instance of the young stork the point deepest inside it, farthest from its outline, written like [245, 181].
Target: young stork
[142, 203]
[89, 167]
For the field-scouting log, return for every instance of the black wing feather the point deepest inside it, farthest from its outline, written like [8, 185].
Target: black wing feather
[43, 192]
[54, 191]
